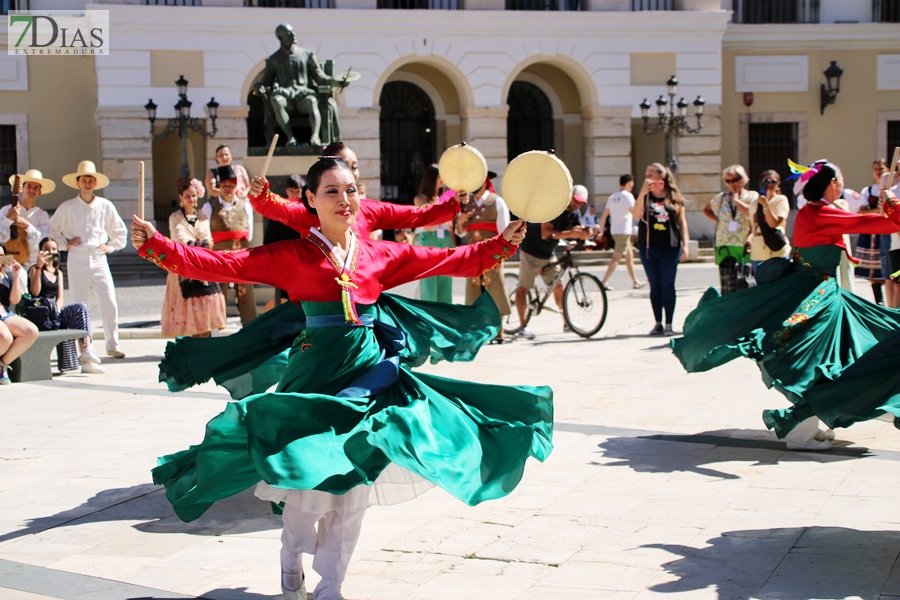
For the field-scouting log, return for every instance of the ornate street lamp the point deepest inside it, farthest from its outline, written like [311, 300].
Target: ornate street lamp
[672, 118]
[183, 121]
[833, 76]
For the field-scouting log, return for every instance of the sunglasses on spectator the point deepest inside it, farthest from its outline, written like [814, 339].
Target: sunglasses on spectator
[735, 180]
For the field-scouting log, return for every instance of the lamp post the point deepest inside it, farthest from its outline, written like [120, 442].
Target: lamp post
[183, 121]
[833, 76]
[672, 118]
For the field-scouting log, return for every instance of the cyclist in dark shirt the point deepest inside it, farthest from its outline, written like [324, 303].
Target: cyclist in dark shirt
[541, 239]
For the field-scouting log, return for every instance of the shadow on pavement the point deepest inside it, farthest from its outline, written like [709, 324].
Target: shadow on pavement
[793, 563]
[669, 453]
[108, 360]
[242, 513]
[238, 594]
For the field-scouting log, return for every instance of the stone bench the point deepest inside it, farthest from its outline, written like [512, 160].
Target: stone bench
[34, 365]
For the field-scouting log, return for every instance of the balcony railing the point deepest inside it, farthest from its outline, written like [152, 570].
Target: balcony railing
[287, 3]
[171, 2]
[776, 11]
[419, 4]
[543, 4]
[886, 11]
[651, 5]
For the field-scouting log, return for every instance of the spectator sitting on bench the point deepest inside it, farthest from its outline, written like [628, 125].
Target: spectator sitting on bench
[45, 280]
[16, 334]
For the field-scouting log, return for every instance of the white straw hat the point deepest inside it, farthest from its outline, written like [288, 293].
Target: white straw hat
[86, 167]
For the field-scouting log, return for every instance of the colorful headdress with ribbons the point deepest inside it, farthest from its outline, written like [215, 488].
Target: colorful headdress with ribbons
[803, 174]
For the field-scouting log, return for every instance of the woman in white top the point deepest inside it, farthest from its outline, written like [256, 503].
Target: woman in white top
[769, 210]
[440, 288]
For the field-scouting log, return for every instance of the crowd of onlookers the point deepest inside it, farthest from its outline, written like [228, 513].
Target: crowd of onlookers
[750, 227]
[88, 228]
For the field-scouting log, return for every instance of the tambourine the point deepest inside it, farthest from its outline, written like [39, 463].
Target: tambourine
[463, 168]
[537, 186]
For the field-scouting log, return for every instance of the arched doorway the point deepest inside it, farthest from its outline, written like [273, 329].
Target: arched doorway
[529, 125]
[407, 140]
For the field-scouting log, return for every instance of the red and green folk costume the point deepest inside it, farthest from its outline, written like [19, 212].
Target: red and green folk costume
[344, 408]
[372, 216]
[826, 349]
[252, 360]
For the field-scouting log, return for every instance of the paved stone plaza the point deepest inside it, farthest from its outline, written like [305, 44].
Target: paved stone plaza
[661, 484]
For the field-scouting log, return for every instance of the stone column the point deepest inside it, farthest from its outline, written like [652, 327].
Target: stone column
[700, 170]
[361, 130]
[484, 127]
[607, 149]
[124, 141]
[231, 130]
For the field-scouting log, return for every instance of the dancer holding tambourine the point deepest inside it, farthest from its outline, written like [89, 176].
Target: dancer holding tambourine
[344, 411]
[830, 352]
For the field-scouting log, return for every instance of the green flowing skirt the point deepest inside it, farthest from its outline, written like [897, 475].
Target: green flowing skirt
[801, 328]
[344, 409]
[252, 360]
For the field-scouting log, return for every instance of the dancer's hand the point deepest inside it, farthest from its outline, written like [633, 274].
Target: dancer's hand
[141, 231]
[515, 232]
[257, 184]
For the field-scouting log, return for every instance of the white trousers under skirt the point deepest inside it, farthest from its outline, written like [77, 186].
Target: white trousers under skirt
[331, 546]
[88, 272]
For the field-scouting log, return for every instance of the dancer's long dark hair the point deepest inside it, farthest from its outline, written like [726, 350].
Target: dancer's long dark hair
[818, 183]
[428, 187]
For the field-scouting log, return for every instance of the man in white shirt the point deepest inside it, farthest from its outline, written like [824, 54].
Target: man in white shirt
[89, 228]
[618, 211]
[26, 216]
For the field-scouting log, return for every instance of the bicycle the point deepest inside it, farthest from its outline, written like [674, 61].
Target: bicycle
[584, 297]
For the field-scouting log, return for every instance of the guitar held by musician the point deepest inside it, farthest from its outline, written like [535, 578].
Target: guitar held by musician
[22, 224]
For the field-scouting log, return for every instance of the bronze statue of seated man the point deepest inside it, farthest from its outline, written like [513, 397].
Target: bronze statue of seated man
[294, 81]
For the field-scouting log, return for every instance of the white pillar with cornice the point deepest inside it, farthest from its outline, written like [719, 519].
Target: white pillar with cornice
[361, 130]
[124, 142]
[607, 149]
[700, 170]
[484, 127]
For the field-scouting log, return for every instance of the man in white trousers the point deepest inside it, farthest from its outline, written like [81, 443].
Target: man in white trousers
[89, 228]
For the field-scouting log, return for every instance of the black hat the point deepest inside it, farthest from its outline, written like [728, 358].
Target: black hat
[225, 173]
[491, 175]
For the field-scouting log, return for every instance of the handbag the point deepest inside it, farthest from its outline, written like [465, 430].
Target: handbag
[40, 311]
[772, 236]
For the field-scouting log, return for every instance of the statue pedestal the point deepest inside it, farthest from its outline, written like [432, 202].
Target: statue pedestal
[286, 161]
[280, 165]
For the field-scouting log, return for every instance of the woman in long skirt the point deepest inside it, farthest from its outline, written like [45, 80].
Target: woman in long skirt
[440, 288]
[191, 307]
[803, 330]
[344, 411]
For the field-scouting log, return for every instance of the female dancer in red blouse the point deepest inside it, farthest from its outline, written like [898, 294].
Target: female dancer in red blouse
[252, 360]
[805, 332]
[343, 412]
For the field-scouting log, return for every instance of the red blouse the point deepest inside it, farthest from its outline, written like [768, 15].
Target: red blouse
[303, 269]
[820, 224]
[372, 215]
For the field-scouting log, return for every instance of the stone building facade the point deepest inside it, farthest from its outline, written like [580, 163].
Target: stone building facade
[584, 72]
